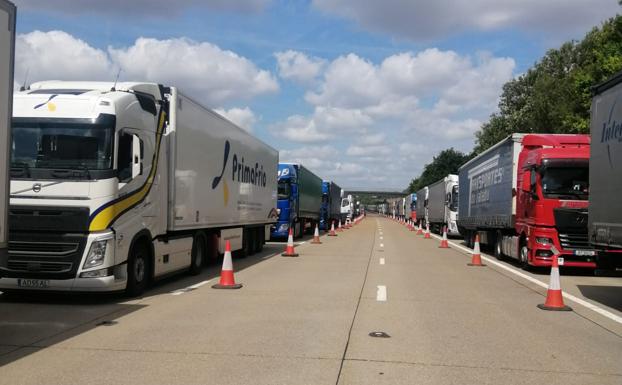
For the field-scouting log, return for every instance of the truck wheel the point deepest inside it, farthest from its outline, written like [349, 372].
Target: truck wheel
[523, 255]
[499, 246]
[137, 270]
[258, 245]
[199, 254]
[468, 239]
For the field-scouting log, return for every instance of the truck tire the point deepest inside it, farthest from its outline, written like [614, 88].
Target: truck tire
[199, 254]
[137, 270]
[468, 239]
[258, 245]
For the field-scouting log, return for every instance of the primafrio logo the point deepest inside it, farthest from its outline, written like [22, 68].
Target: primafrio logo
[240, 172]
[48, 103]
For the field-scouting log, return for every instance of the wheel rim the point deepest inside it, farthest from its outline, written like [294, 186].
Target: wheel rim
[139, 269]
[524, 254]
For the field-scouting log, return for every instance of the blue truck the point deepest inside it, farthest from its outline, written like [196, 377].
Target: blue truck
[331, 205]
[299, 200]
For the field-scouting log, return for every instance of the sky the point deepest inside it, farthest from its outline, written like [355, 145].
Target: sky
[362, 92]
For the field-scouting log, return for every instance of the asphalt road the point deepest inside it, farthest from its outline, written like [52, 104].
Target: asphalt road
[307, 320]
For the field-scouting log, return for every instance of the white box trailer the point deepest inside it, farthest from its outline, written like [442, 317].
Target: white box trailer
[442, 205]
[113, 185]
[605, 209]
[7, 47]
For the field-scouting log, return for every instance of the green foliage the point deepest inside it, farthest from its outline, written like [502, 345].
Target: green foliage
[446, 162]
[554, 96]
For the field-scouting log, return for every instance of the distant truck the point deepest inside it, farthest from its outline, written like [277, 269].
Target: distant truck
[528, 193]
[114, 185]
[605, 210]
[331, 205]
[7, 47]
[347, 207]
[299, 200]
[422, 206]
[411, 203]
[443, 205]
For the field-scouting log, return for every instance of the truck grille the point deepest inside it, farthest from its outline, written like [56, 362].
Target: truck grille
[42, 249]
[39, 267]
[574, 241]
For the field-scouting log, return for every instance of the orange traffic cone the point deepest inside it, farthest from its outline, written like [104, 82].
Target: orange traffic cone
[476, 258]
[227, 281]
[332, 230]
[444, 244]
[419, 230]
[289, 250]
[316, 236]
[427, 231]
[339, 228]
[554, 300]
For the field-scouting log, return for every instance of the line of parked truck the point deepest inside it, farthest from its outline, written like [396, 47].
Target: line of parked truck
[531, 194]
[116, 185]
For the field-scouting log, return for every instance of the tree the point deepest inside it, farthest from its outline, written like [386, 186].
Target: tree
[446, 162]
[554, 96]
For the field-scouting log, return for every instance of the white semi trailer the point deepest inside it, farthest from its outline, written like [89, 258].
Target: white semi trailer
[442, 208]
[114, 185]
[7, 47]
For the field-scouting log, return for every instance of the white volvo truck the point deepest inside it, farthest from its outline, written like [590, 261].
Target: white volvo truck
[114, 185]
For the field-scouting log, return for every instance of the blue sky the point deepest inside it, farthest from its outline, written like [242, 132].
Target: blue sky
[363, 92]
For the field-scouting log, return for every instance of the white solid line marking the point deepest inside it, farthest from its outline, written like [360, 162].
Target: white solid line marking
[190, 288]
[381, 294]
[571, 297]
[382, 261]
[198, 285]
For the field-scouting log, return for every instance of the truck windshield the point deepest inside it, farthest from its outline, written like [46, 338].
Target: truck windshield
[50, 148]
[566, 182]
[453, 202]
[283, 190]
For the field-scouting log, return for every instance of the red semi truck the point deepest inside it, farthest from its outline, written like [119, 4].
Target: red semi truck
[526, 194]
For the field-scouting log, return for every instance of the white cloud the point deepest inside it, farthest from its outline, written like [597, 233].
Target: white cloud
[58, 55]
[154, 8]
[424, 20]
[391, 117]
[298, 67]
[224, 76]
[324, 124]
[243, 117]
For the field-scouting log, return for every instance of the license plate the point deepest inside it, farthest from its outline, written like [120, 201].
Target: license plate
[586, 253]
[34, 283]
[560, 261]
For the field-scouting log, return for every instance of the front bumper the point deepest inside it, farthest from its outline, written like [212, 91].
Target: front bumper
[102, 284]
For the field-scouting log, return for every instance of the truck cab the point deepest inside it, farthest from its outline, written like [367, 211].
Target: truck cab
[347, 207]
[287, 193]
[552, 201]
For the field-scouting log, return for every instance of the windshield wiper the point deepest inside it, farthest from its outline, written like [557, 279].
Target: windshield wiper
[23, 167]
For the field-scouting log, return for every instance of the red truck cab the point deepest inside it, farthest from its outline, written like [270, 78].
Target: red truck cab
[552, 200]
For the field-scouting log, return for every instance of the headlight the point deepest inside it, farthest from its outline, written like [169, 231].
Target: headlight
[96, 256]
[284, 227]
[544, 240]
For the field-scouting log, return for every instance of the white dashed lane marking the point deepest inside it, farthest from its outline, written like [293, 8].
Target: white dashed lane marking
[381, 294]
[382, 261]
[189, 288]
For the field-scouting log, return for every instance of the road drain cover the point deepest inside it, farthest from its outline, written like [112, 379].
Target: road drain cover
[379, 335]
[107, 323]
